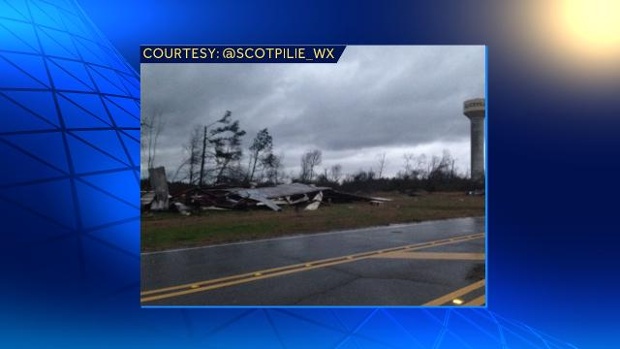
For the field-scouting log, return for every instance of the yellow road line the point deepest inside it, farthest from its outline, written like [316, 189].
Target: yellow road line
[206, 285]
[433, 255]
[477, 301]
[453, 295]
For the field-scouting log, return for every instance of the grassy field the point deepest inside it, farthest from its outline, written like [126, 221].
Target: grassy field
[171, 230]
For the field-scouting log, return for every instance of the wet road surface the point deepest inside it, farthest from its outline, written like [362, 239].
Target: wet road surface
[430, 263]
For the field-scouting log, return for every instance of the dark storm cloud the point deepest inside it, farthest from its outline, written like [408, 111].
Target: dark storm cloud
[376, 99]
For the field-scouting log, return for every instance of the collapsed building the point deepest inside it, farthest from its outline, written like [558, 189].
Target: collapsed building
[298, 195]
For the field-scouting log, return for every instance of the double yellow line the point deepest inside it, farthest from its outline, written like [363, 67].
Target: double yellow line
[202, 286]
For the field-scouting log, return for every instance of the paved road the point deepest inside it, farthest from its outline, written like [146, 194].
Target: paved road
[430, 263]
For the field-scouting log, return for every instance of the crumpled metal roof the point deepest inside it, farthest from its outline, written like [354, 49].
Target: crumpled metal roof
[265, 195]
[288, 194]
[278, 191]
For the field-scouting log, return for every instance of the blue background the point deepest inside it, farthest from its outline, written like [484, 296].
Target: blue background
[69, 157]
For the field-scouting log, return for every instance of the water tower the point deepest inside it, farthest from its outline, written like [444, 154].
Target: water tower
[474, 109]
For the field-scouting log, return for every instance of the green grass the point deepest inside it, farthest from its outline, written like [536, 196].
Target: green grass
[170, 230]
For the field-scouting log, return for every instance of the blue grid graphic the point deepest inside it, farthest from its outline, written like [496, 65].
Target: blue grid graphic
[69, 184]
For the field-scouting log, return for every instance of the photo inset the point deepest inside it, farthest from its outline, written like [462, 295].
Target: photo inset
[358, 183]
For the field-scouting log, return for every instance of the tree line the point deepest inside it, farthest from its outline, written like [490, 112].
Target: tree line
[213, 156]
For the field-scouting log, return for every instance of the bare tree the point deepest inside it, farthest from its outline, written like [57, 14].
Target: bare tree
[304, 176]
[335, 173]
[309, 161]
[441, 167]
[151, 126]
[420, 167]
[203, 156]
[382, 164]
[408, 157]
[192, 155]
[433, 166]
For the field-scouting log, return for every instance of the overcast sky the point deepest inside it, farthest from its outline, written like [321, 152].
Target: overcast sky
[376, 99]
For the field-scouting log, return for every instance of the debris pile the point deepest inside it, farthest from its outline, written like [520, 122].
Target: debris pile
[298, 195]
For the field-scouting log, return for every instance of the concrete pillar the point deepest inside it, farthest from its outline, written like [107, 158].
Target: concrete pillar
[474, 109]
